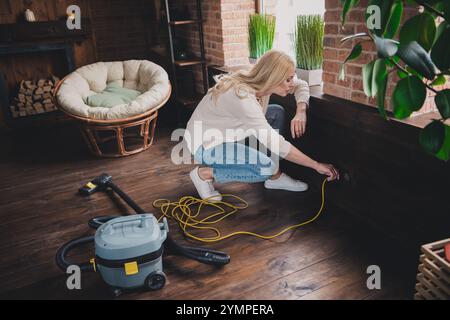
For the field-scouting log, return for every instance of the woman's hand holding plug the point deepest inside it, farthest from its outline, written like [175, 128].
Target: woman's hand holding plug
[328, 170]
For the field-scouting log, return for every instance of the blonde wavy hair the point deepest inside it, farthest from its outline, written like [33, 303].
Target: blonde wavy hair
[270, 71]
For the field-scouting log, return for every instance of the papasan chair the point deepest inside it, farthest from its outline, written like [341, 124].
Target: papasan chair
[115, 102]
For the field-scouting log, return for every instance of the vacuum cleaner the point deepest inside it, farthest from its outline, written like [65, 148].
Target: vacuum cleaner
[129, 249]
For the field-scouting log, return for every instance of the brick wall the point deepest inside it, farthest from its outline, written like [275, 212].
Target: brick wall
[235, 16]
[225, 30]
[335, 53]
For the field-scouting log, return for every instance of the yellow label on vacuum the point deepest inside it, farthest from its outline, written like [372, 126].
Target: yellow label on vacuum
[90, 185]
[131, 268]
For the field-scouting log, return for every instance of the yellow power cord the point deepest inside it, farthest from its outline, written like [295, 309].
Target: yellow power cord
[187, 218]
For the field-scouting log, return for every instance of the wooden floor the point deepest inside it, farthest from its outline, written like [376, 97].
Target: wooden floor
[40, 210]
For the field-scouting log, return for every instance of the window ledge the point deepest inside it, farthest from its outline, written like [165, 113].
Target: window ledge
[419, 121]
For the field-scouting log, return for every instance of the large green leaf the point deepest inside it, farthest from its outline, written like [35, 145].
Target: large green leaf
[441, 51]
[354, 54]
[394, 20]
[440, 29]
[432, 137]
[367, 72]
[417, 58]
[444, 153]
[442, 100]
[378, 75]
[386, 48]
[346, 6]
[379, 84]
[409, 96]
[420, 28]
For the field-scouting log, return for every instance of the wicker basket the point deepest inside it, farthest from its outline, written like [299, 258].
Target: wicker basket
[433, 277]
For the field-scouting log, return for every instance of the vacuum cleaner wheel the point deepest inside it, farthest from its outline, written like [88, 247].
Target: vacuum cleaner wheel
[155, 281]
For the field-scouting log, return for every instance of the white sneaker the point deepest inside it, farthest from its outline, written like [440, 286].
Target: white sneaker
[204, 188]
[284, 182]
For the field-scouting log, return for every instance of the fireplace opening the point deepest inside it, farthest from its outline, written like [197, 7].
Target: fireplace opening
[34, 97]
[29, 76]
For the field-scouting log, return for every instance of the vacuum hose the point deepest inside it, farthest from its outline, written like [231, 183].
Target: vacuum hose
[203, 255]
[103, 182]
[63, 263]
[61, 254]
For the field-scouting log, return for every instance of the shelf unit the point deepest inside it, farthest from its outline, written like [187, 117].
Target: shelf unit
[186, 99]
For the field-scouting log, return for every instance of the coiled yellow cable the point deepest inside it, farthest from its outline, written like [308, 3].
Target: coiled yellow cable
[187, 218]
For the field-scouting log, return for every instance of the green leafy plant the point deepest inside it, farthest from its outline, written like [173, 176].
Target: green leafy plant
[418, 52]
[308, 42]
[261, 31]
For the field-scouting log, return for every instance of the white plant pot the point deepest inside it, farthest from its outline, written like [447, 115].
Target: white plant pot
[313, 77]
[252, 60]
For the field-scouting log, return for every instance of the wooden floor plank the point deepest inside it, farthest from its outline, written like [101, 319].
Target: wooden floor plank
[40, 210]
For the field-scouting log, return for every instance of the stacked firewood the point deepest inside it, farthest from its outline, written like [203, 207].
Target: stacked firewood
[34, 97]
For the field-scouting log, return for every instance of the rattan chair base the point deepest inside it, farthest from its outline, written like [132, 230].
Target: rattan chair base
[96, 143]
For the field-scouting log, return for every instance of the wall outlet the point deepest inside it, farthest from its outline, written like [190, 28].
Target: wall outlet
[348, 178]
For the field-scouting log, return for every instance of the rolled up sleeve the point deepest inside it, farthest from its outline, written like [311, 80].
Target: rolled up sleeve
[301, 91]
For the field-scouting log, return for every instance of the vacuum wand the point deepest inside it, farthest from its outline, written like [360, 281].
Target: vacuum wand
[203, 255]
[102, 183]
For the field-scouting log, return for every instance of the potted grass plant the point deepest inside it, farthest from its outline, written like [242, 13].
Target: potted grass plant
[261, 33]
[308, 47]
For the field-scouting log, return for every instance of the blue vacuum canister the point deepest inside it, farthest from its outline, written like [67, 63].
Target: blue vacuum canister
[128, 252]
